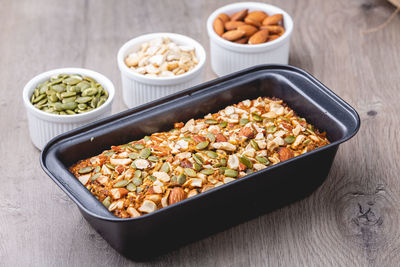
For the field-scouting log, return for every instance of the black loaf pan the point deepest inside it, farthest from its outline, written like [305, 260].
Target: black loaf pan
[220, 208]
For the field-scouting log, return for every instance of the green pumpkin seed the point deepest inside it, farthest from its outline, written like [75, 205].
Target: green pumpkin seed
[207, 171]
[310, 131]
[138, 146]
[138, 174]
[59, 88]
[82, 106]
[197, 167]
[83, 99]
[82, 86]
[43, 88]
[181, 179]
[89, 92]
[262, 160]
[131, 187]
[223, 162]
[212, 154]
[151, 178]
[254, 144]
[165, 167]
[58, 106]
[53, 98]
[136, 181]
[223, 124]
[133, 155]
[231, 173]
[97, 169]
[68, 99]
[257, 117]
[94, 102]
[37, 99]
[146, 138]
[139, 189]
[271, 129]
[210, 121]
[42, 102]
[243, 121]
[202, 145]
[121, 183]
[198, 159]
[249, 171]
[69, 105]
[95, 176]
[70, 112]
[73, 80]
[188, 139]
[110, 166]
[145, 153]
[153, 158]
[190, 172]
[107, 202]
[67, 94]
[246, 162]
[101, 102]
[36, 92]
[174, 179]
[85, 170]
[56, 79]
[211, 137]
[109, 153]
[289, 139]
[285, 119]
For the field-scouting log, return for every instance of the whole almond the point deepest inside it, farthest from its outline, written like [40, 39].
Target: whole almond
[224, 17]
[218, 26]
[285, 153]
[272, 20]
[247, 132]
[273, 29]
[273, 37]
[242, 40]
[232, 25]
[249, 29]
[257, 15]
[220, 138]
[252, 21]
[259, 37]
[239, 15]
[233, 35]
[177, 194]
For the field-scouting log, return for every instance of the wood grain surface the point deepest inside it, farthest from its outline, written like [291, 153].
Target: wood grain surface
[351, 220]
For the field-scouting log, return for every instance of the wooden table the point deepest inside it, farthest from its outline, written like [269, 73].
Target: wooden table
[351, 220]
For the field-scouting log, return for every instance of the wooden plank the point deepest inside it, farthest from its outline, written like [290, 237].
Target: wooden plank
[352, 220]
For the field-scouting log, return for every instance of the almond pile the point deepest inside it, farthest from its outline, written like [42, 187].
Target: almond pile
[161, 57]
[246, 27]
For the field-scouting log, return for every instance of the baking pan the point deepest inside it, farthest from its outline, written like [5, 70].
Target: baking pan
[215, 210]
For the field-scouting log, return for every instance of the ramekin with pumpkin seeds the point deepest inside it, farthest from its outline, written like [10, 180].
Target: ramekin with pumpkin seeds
[54, 105]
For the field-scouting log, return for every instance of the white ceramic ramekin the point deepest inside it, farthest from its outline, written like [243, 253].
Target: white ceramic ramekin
[228, 57]
[44, 126]
[138, 89]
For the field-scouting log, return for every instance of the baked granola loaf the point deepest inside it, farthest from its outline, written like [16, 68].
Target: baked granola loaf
[164, 168]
